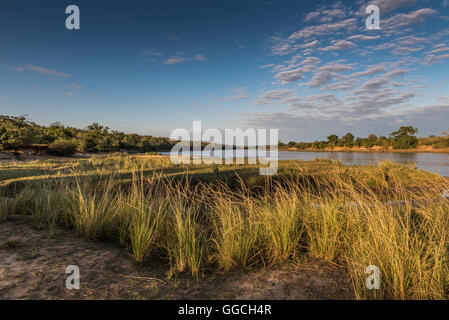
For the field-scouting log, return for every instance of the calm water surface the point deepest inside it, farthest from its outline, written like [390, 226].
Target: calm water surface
[433, 162]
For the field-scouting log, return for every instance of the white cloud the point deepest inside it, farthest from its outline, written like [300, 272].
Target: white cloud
[289, 76]
[271, 65]
[432, 59]
[387, 6]
[363, 37]
[74, 88]
[326, 15]
[336, 67]
[200, 57]
[370, 71]
[372, 86]
[273, 96]
[174, 37]
[239, 94]
[309, 44]
[399, 21]
[324, 29]
[339, 45]
[440, 49]
[320, 78]
[180, 57]
[43, 70]
[175, 60]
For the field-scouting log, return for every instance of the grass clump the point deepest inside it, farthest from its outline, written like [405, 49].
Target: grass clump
[94, 212]
[185, 234]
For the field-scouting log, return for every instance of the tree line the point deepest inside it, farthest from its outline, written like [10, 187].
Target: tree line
[402, 139]
[17, 133]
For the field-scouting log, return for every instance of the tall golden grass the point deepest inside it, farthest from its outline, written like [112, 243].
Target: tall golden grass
[339, 218]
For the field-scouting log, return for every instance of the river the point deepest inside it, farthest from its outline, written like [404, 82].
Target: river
[433, 162]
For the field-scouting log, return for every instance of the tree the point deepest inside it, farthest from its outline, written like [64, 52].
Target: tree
[405, 138]
[348, 140]
[16, 133]
[89, 143]
[98, 128]
[56, 132]
[332, 140]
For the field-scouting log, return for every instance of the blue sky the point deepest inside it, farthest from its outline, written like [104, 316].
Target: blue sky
[307, 68]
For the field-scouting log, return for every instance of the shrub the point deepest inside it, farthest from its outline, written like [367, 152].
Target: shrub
[62, 148]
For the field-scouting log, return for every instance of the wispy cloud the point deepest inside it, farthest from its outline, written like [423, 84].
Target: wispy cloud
[42, 70]
[432, 58]
[363, 37]
[339, 45]
[397, 22]
[289, 76]
[174, 37]
[387, 6]
[273, 97]
[200, 57]
[74, 88]
[181, 57]
[151, 55]
[324, 29]
[238, 94]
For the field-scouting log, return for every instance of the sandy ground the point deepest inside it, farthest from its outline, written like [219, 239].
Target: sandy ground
[32, 266]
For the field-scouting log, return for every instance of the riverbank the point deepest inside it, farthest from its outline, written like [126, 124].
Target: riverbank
[420, 149]
[9, 156]
[33, 267]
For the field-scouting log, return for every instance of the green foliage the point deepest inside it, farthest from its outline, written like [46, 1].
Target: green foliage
[62, 148]
[319, 144]
[17, 133]
[347, 140]
[404, 138]
[57, 132]
[333, 140]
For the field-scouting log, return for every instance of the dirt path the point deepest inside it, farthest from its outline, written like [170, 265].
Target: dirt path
[32, 266]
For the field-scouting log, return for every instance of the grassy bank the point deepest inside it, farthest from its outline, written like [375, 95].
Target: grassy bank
[419, 149]
[219, 218]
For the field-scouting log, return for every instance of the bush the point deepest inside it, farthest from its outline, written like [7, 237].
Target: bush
[441, 144]
[61, 148]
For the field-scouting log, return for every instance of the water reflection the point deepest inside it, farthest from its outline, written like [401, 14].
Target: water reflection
[433, 162]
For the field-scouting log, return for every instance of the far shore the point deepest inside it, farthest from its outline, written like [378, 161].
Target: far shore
[420, 149]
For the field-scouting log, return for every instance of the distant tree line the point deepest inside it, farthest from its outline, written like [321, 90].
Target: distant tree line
[18, 133]
[403, 139]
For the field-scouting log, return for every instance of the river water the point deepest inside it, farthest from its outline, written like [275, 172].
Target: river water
[433, 162]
